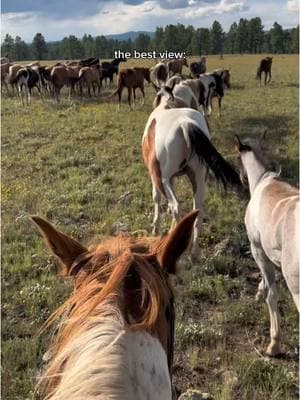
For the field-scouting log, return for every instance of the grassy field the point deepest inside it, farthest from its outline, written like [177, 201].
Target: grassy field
[72, 163]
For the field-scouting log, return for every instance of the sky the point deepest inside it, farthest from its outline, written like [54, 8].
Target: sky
[56, 19]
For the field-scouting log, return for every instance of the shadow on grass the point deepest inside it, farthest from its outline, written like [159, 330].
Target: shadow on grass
[292, 84]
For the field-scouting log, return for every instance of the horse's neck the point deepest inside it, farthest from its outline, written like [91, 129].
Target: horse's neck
[254, 169]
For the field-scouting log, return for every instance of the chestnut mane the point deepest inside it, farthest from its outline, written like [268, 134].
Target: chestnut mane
[121, 271]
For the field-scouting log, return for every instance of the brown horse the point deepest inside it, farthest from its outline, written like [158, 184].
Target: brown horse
[175, 66]
[116, 332]
[91, 78]
[265, 66]
[132, 78]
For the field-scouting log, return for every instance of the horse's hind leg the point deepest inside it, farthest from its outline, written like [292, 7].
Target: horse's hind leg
[270, 76]
[172, 200]
[268, 273]
[220, 105]
[129, 96]
[156, 195]
[143, 93]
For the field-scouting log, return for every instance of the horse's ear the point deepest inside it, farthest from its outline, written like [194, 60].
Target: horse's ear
[262, 137]
[176, 242]
[238, 143]
[240, 146]
[63, 247]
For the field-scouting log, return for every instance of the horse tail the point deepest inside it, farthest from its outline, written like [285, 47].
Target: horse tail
[208, 155]
[120, 84]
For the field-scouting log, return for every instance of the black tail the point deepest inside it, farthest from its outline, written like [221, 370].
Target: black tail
[208, 154]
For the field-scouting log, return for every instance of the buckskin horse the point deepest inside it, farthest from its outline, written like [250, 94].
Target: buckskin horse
[272, 223]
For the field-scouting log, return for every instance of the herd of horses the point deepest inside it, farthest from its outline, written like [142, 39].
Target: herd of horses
[116, 331]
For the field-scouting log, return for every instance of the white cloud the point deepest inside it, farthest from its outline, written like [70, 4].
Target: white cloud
[117, 17]
[224, 6]
[293, 5]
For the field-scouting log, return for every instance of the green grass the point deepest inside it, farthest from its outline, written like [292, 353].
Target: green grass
[72, 162]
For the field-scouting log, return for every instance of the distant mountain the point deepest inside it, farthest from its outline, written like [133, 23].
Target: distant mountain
[129, 35]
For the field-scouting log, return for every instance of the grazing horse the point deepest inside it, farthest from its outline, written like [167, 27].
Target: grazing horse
[132, 78]
[175, 66]
[116, 335]
[265, 66]
[273, 230]
[177, 142]
[198, 68]
[158, 75]
[111, 68]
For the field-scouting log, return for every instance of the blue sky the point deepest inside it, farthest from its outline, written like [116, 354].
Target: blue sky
[59, 18]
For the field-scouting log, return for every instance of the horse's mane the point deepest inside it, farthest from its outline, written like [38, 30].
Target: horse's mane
[123, 273]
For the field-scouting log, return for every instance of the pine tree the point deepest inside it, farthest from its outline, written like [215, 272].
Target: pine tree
[277, 38]
[21, 49]
[8, 47]
[39, 47]
[217, 38]
[231, 38]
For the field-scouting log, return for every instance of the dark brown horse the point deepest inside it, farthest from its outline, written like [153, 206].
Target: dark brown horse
[132, 78]
[265, 66]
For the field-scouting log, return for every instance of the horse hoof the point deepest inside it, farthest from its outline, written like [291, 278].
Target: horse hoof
[273, 350]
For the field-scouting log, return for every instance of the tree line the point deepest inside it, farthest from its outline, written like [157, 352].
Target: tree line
[246, 36]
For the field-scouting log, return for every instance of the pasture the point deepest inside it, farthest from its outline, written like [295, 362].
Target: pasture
[78, 164]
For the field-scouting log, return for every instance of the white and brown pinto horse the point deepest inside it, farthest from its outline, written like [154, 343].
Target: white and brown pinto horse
[187, 93]
[176, 142]
[158, 75]
[116, 335]
[273, 228]
[213, 84]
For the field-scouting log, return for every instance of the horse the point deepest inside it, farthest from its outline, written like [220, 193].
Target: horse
[91, 77]
[61, 76]
[28, 78]
[188, 93]
[111, 68]
[116, 336]
[175, 66]
[265, 66]
[225, 75]
[213, 84]
[174, 80]
[176, 141]
[272, 228]
[198, 68]
[158, 75]
[132, 78]
[4, 74]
